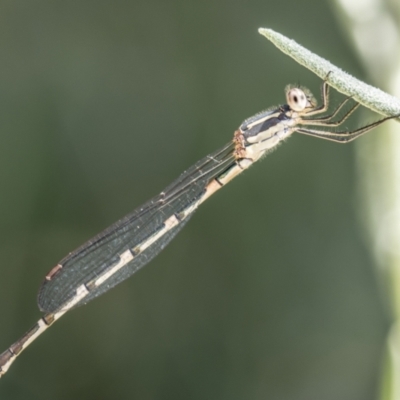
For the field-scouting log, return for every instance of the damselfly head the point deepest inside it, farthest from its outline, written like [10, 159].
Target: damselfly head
[299, 98]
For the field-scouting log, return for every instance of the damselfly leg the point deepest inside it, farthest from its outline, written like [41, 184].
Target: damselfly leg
[343, 136]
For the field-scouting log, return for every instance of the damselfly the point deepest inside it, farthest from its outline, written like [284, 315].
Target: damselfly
[129, 244]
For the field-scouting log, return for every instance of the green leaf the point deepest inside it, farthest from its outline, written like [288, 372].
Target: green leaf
[367, 95]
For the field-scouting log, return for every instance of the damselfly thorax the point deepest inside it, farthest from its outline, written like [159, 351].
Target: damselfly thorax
[264, 131]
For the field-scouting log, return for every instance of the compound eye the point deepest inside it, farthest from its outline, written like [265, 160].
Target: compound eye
[297, 99]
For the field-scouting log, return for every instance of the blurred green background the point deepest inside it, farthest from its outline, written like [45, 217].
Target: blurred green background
[269, 292]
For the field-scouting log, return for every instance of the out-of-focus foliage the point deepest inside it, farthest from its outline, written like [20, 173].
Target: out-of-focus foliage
[374, 29]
